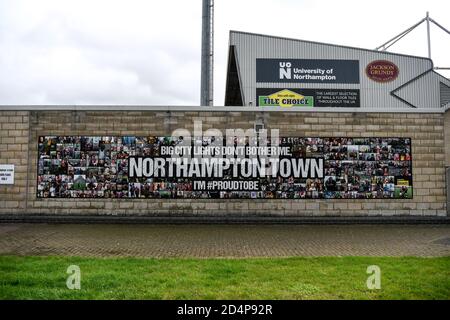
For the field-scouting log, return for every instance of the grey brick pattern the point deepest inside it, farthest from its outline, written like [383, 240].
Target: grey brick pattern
[236, 241]
[430, 152]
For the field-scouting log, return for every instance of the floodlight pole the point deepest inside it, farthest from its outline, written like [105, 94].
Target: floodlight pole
[428, 35]
[207, 62]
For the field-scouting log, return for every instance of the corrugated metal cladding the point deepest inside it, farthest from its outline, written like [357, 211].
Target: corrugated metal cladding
[445, 94]
[416, 86]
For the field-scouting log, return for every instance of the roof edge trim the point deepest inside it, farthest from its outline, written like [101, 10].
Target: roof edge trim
[331, 44]
[393, 92]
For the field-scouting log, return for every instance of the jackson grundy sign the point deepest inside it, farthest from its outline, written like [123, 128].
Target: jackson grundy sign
[207, 167]
[307, 70]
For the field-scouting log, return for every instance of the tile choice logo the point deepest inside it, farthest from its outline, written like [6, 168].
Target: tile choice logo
[286, 98]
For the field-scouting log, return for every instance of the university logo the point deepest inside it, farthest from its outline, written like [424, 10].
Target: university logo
[286, 98]
[285, 70]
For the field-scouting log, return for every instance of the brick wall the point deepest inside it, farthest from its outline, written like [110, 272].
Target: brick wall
[447, 137]
[14, 137]
[426, 131]
[447, 155]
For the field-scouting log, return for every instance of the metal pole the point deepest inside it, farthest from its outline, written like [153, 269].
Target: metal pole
[400, 35]
[428, 35]
[206, 86]
[439, 26]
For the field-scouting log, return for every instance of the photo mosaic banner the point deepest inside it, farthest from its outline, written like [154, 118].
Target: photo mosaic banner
[208, 167]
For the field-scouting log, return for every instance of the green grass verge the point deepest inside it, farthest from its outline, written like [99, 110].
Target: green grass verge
[265, 278]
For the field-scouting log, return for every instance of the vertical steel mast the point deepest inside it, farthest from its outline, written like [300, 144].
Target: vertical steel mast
[207, 79]
[428, 35]
[427, 20]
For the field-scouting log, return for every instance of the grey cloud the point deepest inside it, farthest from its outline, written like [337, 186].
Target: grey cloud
[148, 52]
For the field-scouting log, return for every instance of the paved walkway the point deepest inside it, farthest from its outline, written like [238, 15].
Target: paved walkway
[224, 240]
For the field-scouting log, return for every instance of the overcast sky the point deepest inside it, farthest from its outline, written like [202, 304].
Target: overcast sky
[148, 52]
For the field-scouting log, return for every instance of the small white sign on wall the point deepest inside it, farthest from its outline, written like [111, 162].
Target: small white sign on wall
[6, 174]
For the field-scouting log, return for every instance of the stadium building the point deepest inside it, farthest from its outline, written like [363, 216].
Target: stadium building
[343, 133]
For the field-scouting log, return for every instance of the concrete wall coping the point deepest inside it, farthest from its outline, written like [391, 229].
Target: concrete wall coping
[210, 109]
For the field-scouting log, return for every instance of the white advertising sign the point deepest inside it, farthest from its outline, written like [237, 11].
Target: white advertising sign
[6, 174]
